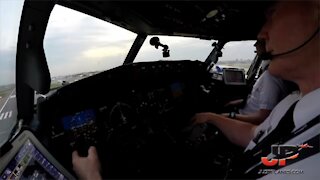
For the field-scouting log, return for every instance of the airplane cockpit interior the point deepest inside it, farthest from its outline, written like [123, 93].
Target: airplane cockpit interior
[139, 115]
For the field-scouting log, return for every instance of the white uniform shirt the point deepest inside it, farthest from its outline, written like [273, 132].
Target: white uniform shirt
[306, 109]
[266, 93]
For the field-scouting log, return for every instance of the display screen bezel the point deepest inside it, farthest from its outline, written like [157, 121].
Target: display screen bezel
[226, 71]
[19, 143]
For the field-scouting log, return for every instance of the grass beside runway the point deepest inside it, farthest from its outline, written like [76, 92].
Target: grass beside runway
[6, 90]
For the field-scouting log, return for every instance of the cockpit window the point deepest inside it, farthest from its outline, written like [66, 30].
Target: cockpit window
[78, 45]
[238, 54]
[181, 48]
[10, 13]
[234, 54]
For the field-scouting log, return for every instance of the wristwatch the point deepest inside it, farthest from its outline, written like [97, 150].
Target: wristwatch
[232, 115]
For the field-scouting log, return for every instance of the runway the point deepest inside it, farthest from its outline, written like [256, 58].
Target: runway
[8, 116]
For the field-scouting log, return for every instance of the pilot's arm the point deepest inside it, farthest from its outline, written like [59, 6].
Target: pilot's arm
[236, 102]
[237, 132]
[254, 118]
[87, 168]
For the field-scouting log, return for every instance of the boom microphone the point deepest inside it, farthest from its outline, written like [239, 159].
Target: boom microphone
[269, 56]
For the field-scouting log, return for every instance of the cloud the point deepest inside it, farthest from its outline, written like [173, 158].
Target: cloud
[103, 52]
[10, 12]
[78, 27]
[182, 48]
[84, 44]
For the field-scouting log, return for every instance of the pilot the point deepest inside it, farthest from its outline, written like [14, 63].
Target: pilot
[291, 33]
[265, 95]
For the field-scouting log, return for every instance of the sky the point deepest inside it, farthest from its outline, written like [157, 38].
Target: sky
[10, 12]
[75, 42]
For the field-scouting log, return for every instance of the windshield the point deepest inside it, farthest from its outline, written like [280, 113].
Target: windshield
[10, 13]
[181, 48]
[78, 45]
[238, 54]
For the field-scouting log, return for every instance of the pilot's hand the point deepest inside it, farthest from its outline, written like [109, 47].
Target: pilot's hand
[87, 168]
[201, 118]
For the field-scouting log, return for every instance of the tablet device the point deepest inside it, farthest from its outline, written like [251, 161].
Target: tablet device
[29, 159]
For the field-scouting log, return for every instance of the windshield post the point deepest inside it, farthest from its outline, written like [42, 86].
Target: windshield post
[215, 53]
[136, 46]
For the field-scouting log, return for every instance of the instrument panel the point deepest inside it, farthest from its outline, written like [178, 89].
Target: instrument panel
[139, 118]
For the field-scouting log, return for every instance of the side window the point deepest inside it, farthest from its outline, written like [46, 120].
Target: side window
[238, 54]
[10, 14]
[78, 45]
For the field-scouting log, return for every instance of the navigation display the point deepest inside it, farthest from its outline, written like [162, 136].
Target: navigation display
[80, 125]
[30, 163]
[79, 119]
[234, 77]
